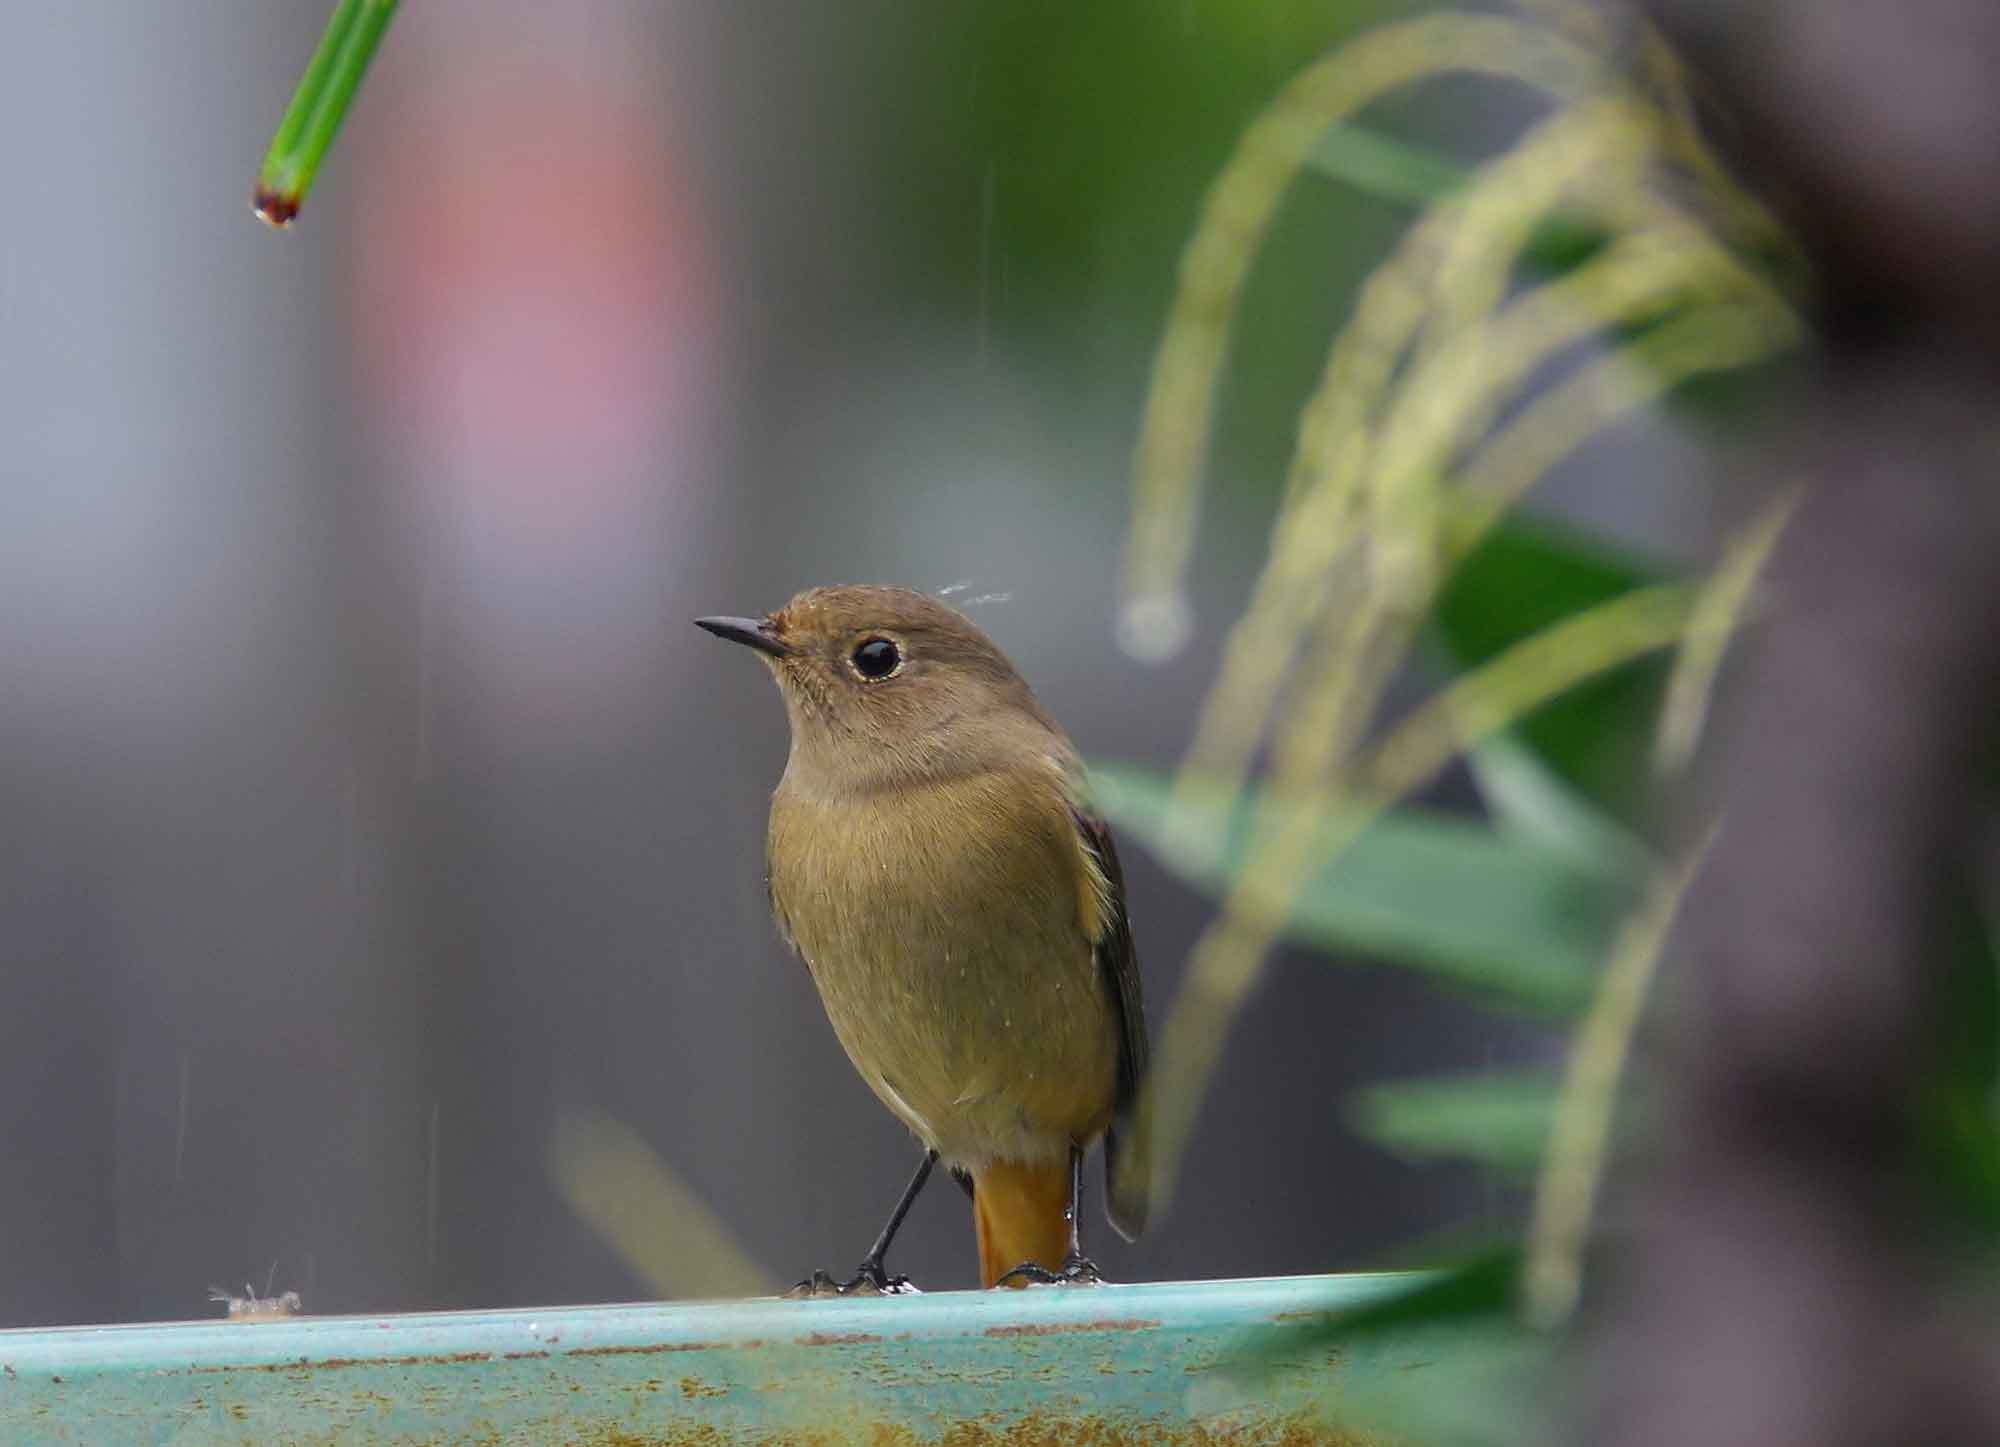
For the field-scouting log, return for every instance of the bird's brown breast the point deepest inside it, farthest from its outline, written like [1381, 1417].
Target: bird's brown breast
[956, 963]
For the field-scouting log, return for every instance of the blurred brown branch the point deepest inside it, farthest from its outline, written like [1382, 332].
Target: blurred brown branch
[1783, 1291]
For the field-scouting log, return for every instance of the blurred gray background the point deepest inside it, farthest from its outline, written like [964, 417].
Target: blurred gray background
[367, 804]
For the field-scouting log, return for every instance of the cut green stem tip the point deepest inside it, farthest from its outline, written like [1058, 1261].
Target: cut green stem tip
[318, 107]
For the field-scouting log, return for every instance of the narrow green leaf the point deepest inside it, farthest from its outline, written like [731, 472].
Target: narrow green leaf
[1478, 1285]
[1517, 924]
[1500, 1119]
[1958, 1135]
[1527, 796]
[1381, 165]
[1443, 1362]
[1487, 1383]
[1384, 166]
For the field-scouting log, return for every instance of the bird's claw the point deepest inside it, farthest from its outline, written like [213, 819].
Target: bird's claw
[1075, 1271]
[817, 1284]
[869, 1280]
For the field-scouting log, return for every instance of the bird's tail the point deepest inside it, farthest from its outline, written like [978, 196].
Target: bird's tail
[1021, 1213]
[1128, 1173]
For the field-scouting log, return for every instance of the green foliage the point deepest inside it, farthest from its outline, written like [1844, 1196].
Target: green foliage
[1958, 1137]
[1518, 910]
[1476, 1286]
[1394, 170]
[1521, 578]
[1072, 140]
[1607, 233]
[1044, 203]
[1525, 793]
[1384, 166]
[1445, 1364]
[1500, 1119]
[1510, 920]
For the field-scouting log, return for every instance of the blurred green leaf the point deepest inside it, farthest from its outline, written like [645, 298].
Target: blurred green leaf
[1494, 914]
[1527, 796]
[1500, 1119]
[1523, 576]
[1479, 1284]
[1958, 1136]
[1390, 169]
[1442, 1362]
[1383, 166]
[1476, 1383]
[1732, 401]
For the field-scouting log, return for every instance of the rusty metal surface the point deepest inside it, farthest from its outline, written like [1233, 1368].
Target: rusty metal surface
[1153, 1364]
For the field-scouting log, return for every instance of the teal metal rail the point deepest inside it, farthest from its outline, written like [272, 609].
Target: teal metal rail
[1158, 1363]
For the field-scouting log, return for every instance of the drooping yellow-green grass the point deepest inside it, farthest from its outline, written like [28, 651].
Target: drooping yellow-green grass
[1402, 465]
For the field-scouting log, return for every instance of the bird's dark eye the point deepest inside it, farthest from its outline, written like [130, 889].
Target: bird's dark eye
[876, 658]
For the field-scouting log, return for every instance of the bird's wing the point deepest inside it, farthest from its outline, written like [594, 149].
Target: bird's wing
[778, 915]
[1127, 1166]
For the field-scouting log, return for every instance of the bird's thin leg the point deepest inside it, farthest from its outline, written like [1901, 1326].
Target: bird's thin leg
[871, 1264]
[1076, 1266]
[870, 1277]
[1076, 1269]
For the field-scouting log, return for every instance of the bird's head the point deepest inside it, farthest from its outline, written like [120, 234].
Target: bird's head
[885, 685]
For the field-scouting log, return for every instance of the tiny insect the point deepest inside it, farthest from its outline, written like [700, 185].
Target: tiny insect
[252, 1307]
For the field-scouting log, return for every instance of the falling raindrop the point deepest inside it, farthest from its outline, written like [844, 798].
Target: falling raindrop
[431, 1198]
[1156, 627]
[426, 628]
[350, 825]
[181, 1120]
[988, 185]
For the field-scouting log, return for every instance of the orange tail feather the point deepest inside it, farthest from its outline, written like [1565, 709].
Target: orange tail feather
[1021, 1214]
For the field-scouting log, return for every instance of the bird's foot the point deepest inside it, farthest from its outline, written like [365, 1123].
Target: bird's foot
[1075, 1271]
[869, 1280]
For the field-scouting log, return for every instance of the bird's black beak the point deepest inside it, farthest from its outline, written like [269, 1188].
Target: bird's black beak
[751, 632]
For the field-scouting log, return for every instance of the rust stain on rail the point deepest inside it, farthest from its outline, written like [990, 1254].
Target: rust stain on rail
[1051, 1431]
[1057, 1328]
[646, 1349]
[316, 1364]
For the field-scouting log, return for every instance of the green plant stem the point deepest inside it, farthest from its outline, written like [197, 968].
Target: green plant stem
[318, 107]
[1573, 1167]
[1711, 627]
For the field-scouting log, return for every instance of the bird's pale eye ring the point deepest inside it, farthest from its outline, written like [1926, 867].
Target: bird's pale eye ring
[876, 658]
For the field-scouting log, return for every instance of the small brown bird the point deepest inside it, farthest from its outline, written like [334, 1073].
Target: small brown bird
[934, 861]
